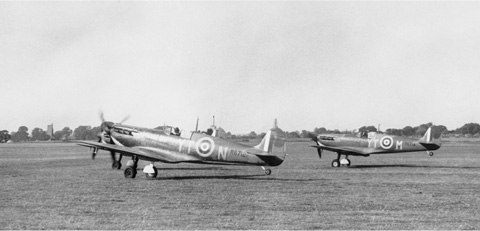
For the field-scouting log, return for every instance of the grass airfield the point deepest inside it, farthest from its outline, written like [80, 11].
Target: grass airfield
[58, 186]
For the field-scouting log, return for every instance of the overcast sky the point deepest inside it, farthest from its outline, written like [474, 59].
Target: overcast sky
[337, 65]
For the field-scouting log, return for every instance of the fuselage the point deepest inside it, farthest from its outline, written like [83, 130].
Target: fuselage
[198, 146]
[376, 143]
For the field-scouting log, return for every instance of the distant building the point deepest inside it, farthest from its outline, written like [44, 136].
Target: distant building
[50, 130]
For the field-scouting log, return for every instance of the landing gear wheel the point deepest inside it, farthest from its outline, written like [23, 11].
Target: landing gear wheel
[335, 163]
[430, 153]
[116, 165]
[268, 171]
[152, 175]
[130, 172]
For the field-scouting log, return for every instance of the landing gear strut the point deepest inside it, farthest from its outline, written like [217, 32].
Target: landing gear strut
[94, 153]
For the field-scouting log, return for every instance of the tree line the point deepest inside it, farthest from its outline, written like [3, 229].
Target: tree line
[91, 133]
[468, 130]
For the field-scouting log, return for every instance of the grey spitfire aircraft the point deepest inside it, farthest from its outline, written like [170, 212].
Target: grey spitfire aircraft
[172, 145]
[364, 144]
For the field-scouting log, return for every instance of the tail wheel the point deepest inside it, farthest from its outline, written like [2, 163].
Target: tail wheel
[335, 163]
[116, 165]
[130, 172]
[430, 153]
[152, 175]
[268, 171]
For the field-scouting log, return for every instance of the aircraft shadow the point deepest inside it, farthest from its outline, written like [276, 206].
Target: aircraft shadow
[410, 166]
[187, 169]
[258, 177]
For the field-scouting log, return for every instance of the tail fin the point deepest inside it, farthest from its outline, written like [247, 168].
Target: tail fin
[429, 142]
[272, 149]
[427, 138]
[274, 142]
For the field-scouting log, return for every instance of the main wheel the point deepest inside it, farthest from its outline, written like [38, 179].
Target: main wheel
[116, 165]
[268, 171]
[152, 175]
[430, 153]
[130, 172]
[335, 163]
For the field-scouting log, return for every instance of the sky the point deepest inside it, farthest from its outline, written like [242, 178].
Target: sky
[340, 65]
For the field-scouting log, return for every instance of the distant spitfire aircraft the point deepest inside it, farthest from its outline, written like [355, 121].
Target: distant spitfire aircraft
[170, 145]
[364, 144]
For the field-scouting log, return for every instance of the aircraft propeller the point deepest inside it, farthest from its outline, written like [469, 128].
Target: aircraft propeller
[105, 133]
[315, 139]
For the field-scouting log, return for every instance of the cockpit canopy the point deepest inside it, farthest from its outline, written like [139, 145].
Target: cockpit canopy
[174, 131]
[367, 134]
[169, 130]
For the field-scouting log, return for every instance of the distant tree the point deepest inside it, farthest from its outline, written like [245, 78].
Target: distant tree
[305, 134]
[64, 134]
[81, 132]
[470, 128]
[438, 131]
[57, 135]
[319, 130]
[408, 131]
[21, 135]
[367, 129]
[393, 131]
[336, 131]
[93, 133]
[294, 134]
[261, 135]
[252, 135]
[39, 134]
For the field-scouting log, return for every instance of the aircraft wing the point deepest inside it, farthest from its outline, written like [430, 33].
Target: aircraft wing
[352, 151]
[143, 153]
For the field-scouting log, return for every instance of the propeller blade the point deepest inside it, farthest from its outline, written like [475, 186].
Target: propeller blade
[319, 151]
[125, 119]
[102, 117]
